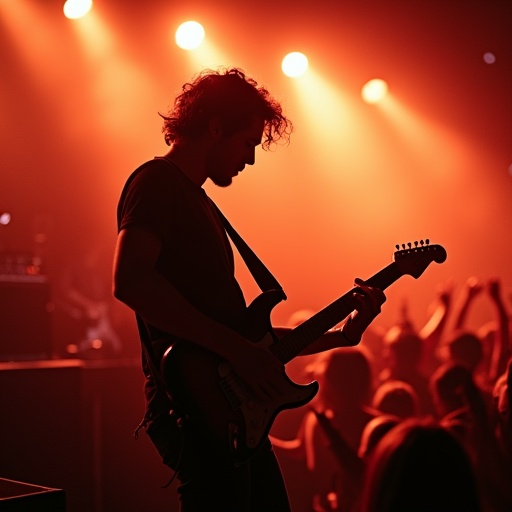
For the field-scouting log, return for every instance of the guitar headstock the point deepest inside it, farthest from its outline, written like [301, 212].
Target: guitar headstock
[414, 258]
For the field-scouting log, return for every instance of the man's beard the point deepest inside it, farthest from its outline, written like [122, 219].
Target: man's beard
[223, 182]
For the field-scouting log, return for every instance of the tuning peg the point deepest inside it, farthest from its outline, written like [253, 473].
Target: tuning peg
[427, 241]
[416, 243]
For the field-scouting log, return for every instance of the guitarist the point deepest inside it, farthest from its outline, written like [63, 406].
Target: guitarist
[174, 268]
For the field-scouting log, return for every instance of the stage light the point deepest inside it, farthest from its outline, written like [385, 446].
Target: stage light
[374, 90]
[74, 9]
[5, 218]
[489, 58]
[294, 64]
[190, 35]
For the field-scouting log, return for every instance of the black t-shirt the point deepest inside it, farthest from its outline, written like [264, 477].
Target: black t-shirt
[196, 255]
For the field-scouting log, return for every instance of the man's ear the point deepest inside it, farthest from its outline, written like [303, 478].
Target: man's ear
[215, 128]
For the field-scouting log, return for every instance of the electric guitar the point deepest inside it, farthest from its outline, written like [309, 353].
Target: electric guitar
[218, 401]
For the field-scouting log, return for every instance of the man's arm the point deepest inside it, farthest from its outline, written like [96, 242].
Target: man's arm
[432, 332]
[501, 349]
[137, 284]
[471, 289]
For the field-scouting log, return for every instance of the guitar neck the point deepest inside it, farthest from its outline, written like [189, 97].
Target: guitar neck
[307, 332]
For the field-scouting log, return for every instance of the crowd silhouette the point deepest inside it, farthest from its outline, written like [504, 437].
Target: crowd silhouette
[412, 419]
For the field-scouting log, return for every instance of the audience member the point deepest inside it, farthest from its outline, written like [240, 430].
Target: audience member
[403, 351]
[502, 394]
[419, 466]
[345, 378]
[374, 431]
[463, 409]
[488, 357]
[396, 398]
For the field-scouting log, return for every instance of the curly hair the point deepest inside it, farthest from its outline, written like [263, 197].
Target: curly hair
[231, 96]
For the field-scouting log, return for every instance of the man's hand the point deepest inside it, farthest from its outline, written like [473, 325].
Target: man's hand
[368, 305]
[258, 368]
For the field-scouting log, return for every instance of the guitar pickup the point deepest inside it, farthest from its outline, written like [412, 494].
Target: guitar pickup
[234, 434]
[230, 394]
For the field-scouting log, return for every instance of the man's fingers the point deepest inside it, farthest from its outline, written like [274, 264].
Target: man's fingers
[369, 297]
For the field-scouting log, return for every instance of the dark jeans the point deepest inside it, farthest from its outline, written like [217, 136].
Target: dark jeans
[208, 483]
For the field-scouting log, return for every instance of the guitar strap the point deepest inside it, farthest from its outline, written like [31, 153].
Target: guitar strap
[262, 275]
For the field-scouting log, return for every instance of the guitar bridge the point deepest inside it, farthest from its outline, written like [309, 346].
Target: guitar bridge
[234, 435]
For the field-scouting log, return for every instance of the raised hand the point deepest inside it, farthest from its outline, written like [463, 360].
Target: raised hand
[473, 287]
[494, 289]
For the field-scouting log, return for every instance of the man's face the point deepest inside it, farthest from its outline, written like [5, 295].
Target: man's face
[231, 153]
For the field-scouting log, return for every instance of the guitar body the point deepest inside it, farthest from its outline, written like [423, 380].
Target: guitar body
[215, 398]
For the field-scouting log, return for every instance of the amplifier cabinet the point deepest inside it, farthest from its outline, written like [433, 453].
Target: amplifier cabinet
[25, 327]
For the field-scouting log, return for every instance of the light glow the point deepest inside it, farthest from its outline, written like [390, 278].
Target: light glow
[374, 90]
[74, 9]
[190, 35]
[294, 64]
[489, 58]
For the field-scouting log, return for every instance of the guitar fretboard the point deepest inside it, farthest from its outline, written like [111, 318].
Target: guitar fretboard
[307, 332]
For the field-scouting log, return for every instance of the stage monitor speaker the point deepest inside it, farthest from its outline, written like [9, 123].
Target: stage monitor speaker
[25, 332]
[22, 497]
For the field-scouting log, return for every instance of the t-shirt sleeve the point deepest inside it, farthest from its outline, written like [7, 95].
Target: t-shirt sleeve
[146, 201]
